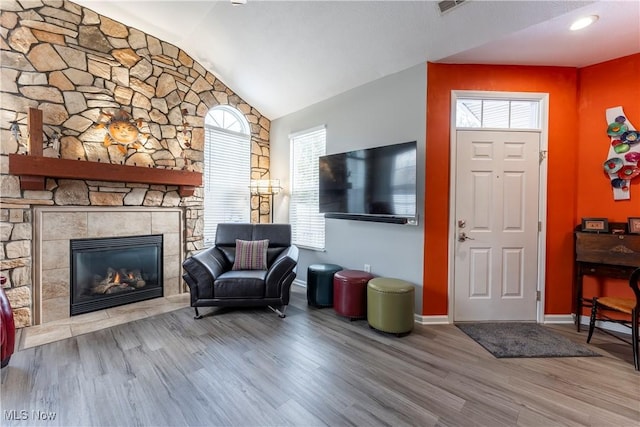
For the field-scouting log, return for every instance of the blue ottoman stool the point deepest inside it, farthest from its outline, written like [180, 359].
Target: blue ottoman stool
[320, 284]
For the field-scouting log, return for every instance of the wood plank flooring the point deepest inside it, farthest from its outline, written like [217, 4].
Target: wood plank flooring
[249, 368]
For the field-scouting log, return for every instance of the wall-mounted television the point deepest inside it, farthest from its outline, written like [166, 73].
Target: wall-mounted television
[372, 184]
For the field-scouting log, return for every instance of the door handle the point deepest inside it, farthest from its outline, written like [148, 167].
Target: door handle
[462, 236]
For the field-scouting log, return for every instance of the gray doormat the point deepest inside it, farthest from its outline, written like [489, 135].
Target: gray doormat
[523, 340]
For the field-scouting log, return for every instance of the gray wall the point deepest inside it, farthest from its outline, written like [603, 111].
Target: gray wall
[387, 111]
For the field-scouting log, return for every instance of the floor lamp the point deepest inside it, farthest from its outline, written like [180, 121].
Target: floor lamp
[265, 187]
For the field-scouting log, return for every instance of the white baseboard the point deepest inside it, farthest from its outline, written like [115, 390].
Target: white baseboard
[431, 320]
[609, 326]
[558, 318]
[299, 283]
[584, 321]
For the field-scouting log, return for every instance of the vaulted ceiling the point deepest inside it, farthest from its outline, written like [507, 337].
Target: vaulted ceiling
[282, 56]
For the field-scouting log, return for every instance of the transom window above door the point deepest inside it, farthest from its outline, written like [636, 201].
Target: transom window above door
[497, 113]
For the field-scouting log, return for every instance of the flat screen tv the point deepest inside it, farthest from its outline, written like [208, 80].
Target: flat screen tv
[372, 184]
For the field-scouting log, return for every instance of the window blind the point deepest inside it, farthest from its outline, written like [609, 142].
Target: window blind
[227, 174]
[307, 224]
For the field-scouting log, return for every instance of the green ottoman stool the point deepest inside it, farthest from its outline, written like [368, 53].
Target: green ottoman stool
[390, 305]
[320, 284]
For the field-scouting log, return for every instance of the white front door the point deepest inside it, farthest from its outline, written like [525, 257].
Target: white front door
[496, 211]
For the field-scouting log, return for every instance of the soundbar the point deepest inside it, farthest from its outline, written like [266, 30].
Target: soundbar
[371, 218]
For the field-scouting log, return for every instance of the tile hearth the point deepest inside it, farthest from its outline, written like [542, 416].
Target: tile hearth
[84, 323]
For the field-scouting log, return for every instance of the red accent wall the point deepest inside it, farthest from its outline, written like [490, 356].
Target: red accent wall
[576, 184]
[601, 86]
[563, 145]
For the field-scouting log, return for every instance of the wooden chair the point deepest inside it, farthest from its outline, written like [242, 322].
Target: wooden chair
[629, 306]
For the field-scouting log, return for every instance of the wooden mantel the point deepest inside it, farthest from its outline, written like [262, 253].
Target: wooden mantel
[33, 169]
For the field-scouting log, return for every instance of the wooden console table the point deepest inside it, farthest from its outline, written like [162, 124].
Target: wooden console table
[603, 255]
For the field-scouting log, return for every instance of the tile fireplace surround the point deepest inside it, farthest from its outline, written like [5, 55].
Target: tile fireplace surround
[54, 227]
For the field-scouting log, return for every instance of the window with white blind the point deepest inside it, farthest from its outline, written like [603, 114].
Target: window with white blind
[307, 223]
[227, 170]
[497, 113]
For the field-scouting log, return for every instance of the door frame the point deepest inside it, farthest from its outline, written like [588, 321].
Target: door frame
[542, 185]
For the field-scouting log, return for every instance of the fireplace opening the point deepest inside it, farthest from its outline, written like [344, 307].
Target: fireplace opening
[113, 271]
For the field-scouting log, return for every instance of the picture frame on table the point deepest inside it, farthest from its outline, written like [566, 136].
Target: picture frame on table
[633, 225]
[595, 225]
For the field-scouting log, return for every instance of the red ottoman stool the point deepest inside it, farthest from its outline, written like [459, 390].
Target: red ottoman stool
[350, 293]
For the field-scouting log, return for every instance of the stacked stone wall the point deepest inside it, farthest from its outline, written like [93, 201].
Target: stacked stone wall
[79, 67]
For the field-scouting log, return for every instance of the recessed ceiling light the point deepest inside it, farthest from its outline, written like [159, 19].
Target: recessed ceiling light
[583, 22]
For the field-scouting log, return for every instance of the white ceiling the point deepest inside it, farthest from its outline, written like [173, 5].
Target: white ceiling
[282, 56]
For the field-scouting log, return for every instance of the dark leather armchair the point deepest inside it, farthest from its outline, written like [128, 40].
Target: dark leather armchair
[213, 283]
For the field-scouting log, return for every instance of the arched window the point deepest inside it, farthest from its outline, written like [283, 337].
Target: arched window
[227, 169]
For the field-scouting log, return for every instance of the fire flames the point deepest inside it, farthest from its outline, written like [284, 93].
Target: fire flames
[118, 280]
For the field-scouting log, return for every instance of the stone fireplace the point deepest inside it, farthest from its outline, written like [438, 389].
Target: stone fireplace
[57, 229]
[78, 67]
[113, 271]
